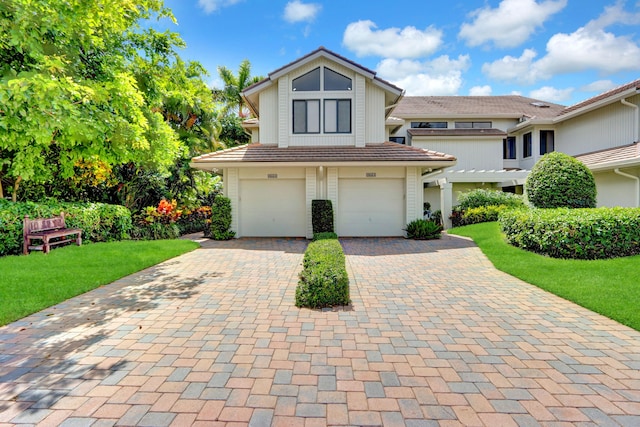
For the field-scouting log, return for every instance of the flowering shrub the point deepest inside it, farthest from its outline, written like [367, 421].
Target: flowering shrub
[165, 213]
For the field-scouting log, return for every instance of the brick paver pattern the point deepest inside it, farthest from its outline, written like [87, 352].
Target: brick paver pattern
[434, 336]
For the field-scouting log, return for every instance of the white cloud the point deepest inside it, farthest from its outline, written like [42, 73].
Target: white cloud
[513, 69]
[442, 76]
[510, 24]
[480, 90]
[588, 48]
[296, 11]
[551, 94]
[598, 86]
[364, 39]
[211, 6]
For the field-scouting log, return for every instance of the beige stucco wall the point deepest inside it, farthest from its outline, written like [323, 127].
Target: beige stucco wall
[472, 153]
[616, 190]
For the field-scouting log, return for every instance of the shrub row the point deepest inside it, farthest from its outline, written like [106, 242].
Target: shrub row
[99, 222]
[482, 197]
[323, 281]
[477, 215]
[574, 233]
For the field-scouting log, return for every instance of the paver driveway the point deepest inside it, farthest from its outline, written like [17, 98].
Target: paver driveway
[435, 335]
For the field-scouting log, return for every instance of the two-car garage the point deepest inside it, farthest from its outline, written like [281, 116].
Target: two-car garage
[274, 203]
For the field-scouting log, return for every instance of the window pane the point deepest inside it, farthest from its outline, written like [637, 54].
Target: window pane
[299, 116]
[429, 125]
[308, 82]
[313, 116]
[464, 125]
[330, 115]
[482, 125]
[344, 116]
[546, 141]
[509, 148]
[336, 81]
[526, 144]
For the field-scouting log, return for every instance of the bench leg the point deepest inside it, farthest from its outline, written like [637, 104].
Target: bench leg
[45, 244]
[79, 239]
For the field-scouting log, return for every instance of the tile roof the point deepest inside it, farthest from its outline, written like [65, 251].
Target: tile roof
[477, 106]
[385, 152]
[456, 132]
[625, 153]
[620, 89]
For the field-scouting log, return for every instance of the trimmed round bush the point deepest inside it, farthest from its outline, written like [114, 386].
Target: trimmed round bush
[558, 180]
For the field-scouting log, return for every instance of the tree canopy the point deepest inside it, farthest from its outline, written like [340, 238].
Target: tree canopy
[82, 82]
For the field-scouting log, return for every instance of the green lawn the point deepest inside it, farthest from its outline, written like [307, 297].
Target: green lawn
[609, 287]
[31, 283]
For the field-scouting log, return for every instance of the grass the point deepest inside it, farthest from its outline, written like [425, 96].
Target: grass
[31, 283]
[609, 287]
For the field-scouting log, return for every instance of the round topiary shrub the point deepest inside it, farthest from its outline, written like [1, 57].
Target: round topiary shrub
[558, 180]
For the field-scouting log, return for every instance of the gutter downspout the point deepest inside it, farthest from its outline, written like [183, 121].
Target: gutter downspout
[637, 121]
[635, 178]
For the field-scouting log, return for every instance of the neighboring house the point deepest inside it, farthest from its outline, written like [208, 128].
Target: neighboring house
[498, 139]
[320, 132]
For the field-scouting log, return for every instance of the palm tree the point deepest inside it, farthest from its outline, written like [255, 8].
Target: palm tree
[234, 85]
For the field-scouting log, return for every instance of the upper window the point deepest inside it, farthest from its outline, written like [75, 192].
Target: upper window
[306, 116]
[526, 145]
[473, 125]
[429, 125]
[397, 139]
[337, 116]
[547, 143]
[335, 81]
[509, 148]
[308, 82]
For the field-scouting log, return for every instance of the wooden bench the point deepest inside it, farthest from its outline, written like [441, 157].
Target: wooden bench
[51, 231]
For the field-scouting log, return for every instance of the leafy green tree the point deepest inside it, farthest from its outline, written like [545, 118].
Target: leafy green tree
[71, 74]
[234, 85]
[558, 180]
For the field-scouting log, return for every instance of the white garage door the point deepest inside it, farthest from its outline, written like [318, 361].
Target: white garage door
[272, 208]
[371, 207]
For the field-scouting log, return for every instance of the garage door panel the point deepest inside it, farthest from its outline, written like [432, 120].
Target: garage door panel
[273, 208]
[371, 207]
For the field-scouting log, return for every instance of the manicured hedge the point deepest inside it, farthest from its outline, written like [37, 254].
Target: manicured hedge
[574, 233]
[322, 216]
[218, 227]
[323, 281]
[99, 222]
[483, 205]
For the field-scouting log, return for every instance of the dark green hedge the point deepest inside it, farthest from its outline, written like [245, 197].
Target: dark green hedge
[322, 216]
[99, 222]
[218, 227]
[323, 281]
[574, 233]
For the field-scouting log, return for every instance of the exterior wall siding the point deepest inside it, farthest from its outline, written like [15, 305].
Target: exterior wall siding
[232, 191]
[269, 118]
[471, 154]
[284, 121]
[616, 190]
[413, 193]
[375, 115]
[606, 127]
[332, 190]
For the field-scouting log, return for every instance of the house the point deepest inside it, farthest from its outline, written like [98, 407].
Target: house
[498, 139]
[321, 131]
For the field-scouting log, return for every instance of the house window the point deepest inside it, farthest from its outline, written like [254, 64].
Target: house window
[337, 116]
[397, 139]
[547, 143]
[336, 81]
[526, 145]
[429, 125]
[306, 116]
[308, 82]
[509, 148]
[473, 125]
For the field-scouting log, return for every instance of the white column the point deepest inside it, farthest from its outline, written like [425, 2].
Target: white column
[446, 201]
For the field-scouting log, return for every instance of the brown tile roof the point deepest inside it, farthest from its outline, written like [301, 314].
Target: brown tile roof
[620, 89]
[456, 132]
[385, 152]
[477, 106]
[625, 153]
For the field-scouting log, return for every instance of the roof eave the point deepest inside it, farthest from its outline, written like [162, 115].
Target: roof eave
[429, 164]
[599, 167]
[594, 106]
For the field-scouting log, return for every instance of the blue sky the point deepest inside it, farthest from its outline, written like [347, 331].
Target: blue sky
[561, 51]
